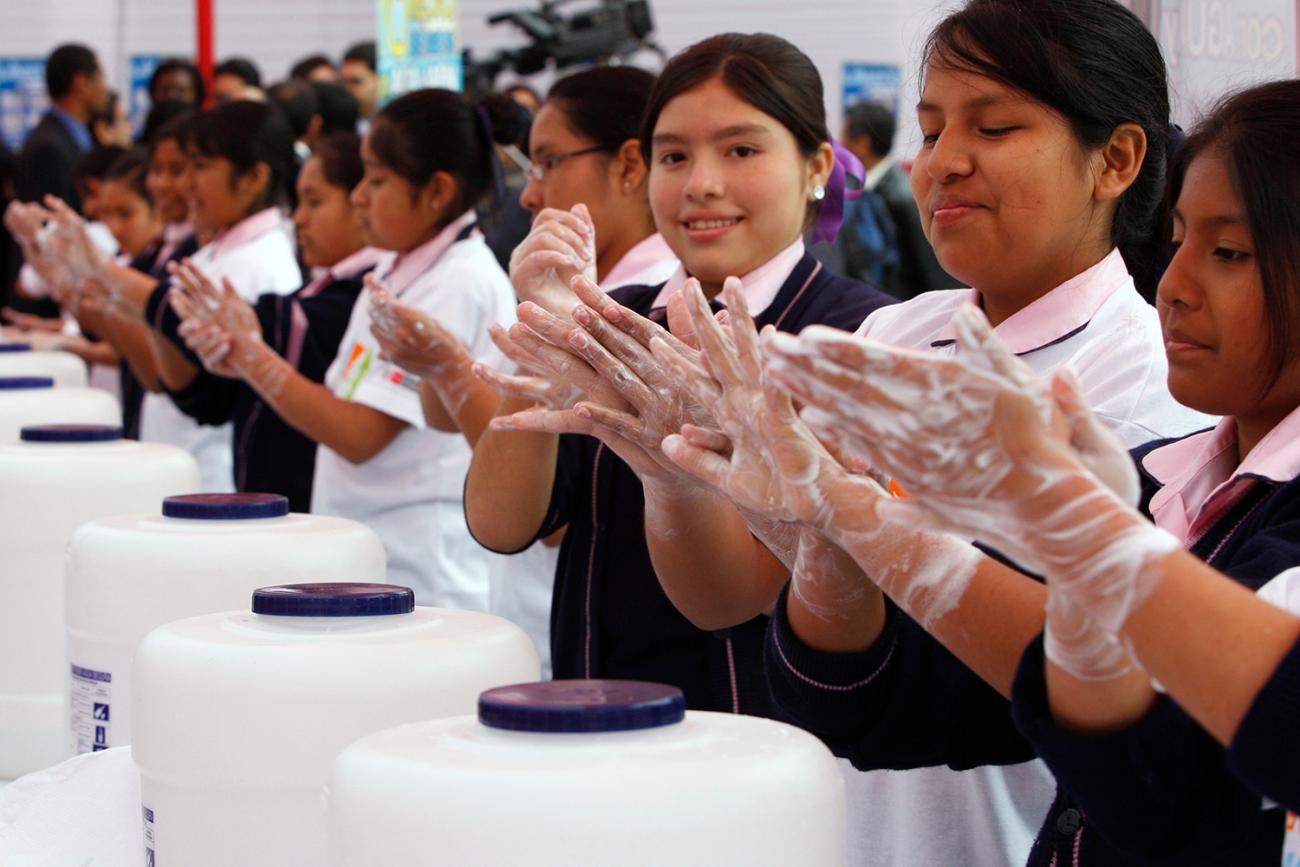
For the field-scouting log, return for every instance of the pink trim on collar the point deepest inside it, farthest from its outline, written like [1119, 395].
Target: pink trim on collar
[1065, 309]
[761, 285]
[405, 268]
[246, 230]
[647, 253]
[1199, 479]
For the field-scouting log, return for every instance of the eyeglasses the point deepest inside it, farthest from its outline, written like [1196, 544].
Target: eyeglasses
[538, 169]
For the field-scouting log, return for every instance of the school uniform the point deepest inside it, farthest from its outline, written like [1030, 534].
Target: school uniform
[522, 584]
[609, 617]
[411, 493]
[1260, 753]
[271, 455]
[931, 735]
[1163, 787]
[257, 256]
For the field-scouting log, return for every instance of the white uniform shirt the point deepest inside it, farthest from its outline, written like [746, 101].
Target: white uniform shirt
[257, 255]
[1110, 337]
[411, 493]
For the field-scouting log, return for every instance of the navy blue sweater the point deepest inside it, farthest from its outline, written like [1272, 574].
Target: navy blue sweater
[270, 455]
[907, 702]
[609, 616]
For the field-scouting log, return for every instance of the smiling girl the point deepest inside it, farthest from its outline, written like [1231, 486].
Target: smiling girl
[304, 327]
[1045, 126]
[735, 138]
[379, 462]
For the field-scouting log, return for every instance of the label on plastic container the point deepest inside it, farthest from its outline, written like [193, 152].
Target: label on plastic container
[148, 836]
[90, 708]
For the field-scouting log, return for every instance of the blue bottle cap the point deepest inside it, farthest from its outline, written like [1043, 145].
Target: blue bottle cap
[569, 706]
[333, 600]
[71, 433]
[225, 507]
[15, 346]
[14, 383]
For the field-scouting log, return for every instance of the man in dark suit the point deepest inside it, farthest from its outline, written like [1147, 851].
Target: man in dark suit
[77, 91]
[869, 133]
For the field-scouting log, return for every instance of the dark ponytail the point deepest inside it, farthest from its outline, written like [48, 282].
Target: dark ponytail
[1093, 62]
[425, 132]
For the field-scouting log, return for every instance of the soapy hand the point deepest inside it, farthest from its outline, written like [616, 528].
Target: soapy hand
[233, 345]
[769, 464]
[560, 246]
[197, 298]
[410, 338]
[979, 447]
[615, 342]
[72, 243]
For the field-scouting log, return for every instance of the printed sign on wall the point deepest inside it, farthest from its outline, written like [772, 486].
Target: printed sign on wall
[419, 46]
[872, 82]
[22, 97]
[142, 67]
[1216, 46]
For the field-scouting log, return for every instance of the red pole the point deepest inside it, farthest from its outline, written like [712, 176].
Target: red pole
[205, 37]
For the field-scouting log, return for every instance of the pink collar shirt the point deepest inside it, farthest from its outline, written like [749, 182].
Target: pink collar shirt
[1202, 478]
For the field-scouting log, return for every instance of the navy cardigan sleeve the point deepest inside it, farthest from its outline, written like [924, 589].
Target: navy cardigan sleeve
[855, 701]
[1263, 752]
[1146, 786]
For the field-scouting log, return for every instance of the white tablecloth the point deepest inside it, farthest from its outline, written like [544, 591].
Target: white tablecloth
[84, 812]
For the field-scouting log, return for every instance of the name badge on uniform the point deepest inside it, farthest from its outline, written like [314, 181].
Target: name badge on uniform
[1291, 843]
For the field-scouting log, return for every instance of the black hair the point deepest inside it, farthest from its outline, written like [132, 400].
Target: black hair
[160, 115]
[340, 158]
[337, 107]
[309, 64]
[63, 66]
[247, 133]
[240, 67]
[875, 121]
[131, 168]
[179, 128]
[176, 64]
[604, 104]
[1095, 64]
[1254, 131]
[297, 100]
[765, 71]
[94, 165]
[109, 113]
[462, 147]
[361, 52]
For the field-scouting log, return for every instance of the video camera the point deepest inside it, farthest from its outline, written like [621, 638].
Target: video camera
[610, 31]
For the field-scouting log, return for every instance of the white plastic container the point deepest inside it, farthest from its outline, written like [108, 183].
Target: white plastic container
[238, 716]
[203, 554]
[587, 772]
[57, 478]
[20, 359]
[29, 400]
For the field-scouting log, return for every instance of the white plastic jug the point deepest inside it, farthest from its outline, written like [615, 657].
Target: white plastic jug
[21, 359]
[238, 716]
[205, 553]
[28, 400]
[56, 478]
[587, 772]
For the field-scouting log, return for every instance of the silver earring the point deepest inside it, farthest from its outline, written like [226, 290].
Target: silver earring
[819, 192]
